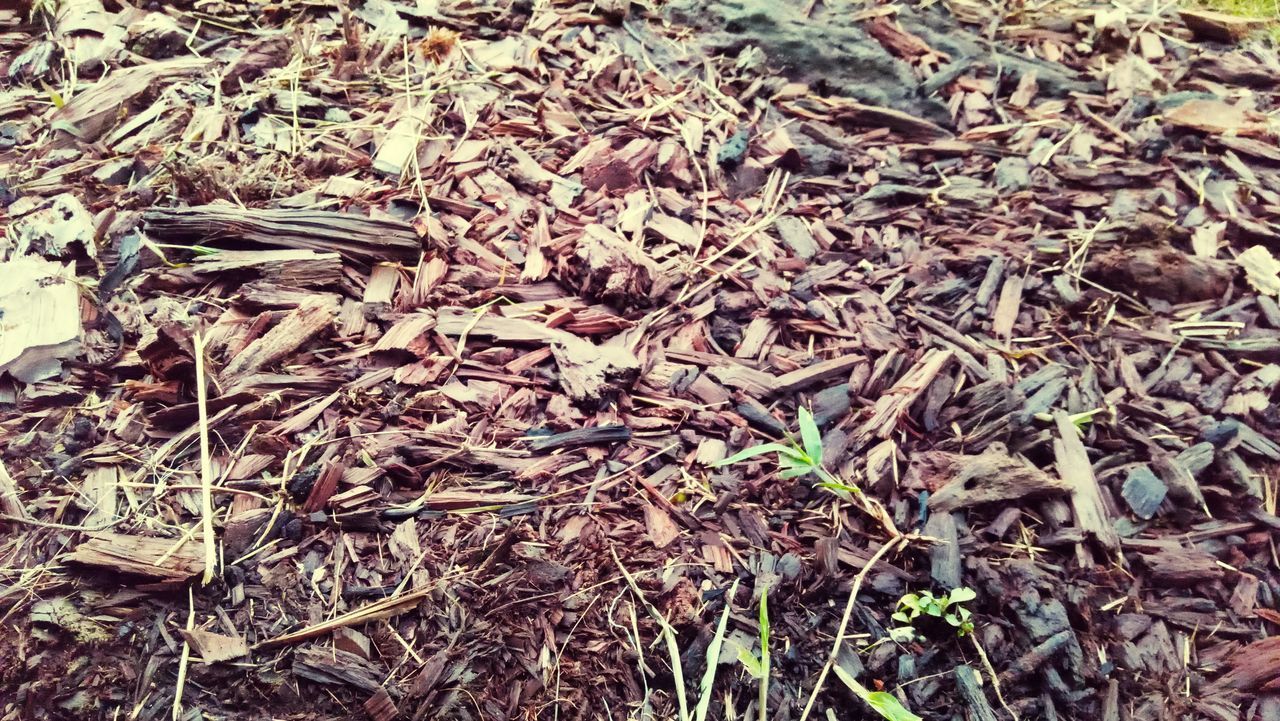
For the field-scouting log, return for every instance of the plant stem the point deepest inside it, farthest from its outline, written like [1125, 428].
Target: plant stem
[763, 702]
[869, 505]
[897, 542]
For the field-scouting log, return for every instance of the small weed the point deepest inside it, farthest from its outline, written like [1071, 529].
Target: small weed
[915, 607]
[795, 458]
[759, 667]
[804, 457]
[713, 658]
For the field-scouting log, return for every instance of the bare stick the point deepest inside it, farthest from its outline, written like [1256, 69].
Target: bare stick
[181, 683]
[991, 671]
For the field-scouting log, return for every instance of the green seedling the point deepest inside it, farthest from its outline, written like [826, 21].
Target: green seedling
[914, 607]
[759, 667]
[799, 458]
[804, 457]
[713, 658]
[794, 458]
[1079, 420]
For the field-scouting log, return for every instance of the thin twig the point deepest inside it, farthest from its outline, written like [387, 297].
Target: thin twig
[59, 526]
[897, 542]
[995, 679]
[668, 634]
[181, 683]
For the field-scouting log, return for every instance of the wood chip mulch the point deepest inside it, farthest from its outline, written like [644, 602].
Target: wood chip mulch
[375, 359]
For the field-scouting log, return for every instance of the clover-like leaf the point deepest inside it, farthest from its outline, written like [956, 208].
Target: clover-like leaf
[962, 595]
[902, 633]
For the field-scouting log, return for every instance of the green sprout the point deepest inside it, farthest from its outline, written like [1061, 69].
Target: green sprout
[795, 458]
[804, 457]
[948, 608]
[1079, 420]
[798, 458]
[758, 667]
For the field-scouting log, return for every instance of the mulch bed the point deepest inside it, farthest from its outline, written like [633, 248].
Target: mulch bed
[377, 359]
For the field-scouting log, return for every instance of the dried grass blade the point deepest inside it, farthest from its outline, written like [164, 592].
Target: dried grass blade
[206, 466]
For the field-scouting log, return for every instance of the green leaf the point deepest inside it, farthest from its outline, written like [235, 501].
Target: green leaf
[839, 487]
[910, 600]
[752, 452]
[902, 633]
[961, 595]
[764, 623]
[883, 703]
[792, 468]
[713, 658]
[754, 666]
[952, 619]
[901, 617]
[54, 96]
[786, 461]
[888, 706]
[797, 454]
[811, 436]
[840, 493]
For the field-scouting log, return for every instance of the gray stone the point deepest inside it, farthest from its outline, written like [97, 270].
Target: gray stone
[797, 236]
[1013, 174]
[1143, 491]
[831, 405]
[824, 49]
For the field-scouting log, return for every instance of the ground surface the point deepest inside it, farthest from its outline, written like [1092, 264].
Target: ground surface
[481, 293]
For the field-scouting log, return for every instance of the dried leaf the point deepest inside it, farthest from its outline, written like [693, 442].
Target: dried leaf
[1261, 269]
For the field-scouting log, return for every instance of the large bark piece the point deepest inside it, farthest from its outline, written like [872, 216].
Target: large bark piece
[834, 48]
[288, 335]
[356, 237]
[591, 374]
[959, 481]
[1086, 497]
[159, 559]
